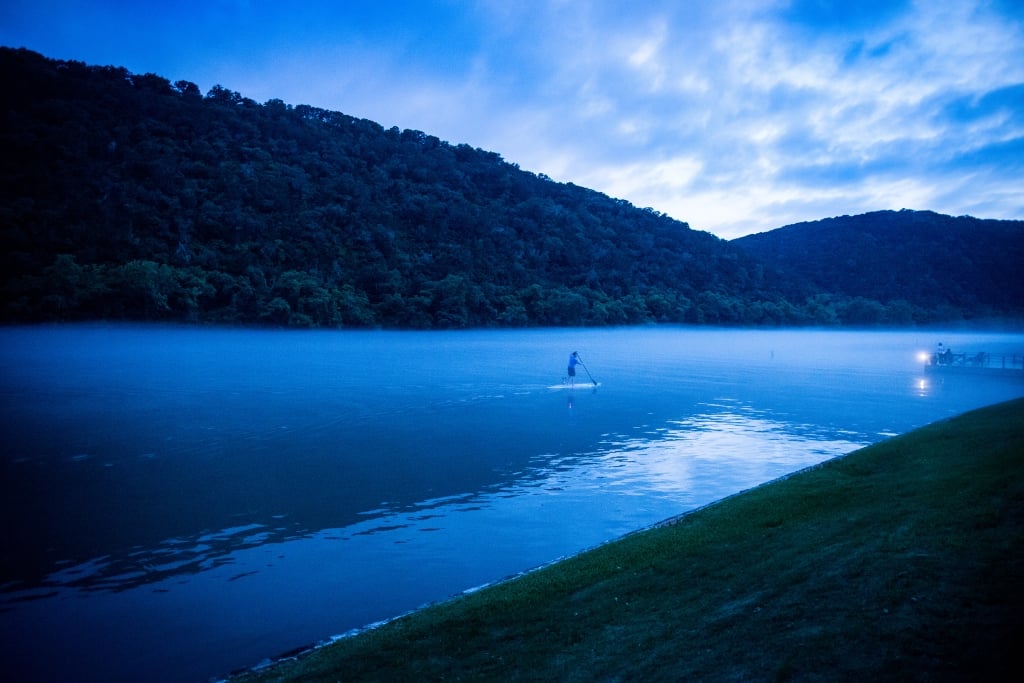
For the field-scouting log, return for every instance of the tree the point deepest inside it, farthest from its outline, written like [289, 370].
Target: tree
[188, 90]
[71, 288]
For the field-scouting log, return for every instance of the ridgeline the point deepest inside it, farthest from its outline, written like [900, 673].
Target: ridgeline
[903, 264]
[129, 197]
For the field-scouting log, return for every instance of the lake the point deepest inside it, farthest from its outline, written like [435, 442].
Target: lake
[179, 502]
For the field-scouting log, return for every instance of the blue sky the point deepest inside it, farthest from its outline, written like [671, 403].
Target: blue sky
[736, 116]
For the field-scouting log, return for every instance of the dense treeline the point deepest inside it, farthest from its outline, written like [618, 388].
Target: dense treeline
[127, 196]
[914, 265]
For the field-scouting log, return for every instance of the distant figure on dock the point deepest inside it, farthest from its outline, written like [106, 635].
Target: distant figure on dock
[943, 355]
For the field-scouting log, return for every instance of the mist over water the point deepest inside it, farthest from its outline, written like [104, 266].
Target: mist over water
[178, 503]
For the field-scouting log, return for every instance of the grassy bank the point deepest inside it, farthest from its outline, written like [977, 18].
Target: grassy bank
[902, 561]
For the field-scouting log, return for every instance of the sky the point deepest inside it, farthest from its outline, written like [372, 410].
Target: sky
[735, 116]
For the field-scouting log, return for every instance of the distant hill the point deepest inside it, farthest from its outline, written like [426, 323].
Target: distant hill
[129, 197]
[951, 266]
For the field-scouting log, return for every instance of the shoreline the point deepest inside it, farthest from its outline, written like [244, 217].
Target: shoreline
[304, 650]
[436, 637]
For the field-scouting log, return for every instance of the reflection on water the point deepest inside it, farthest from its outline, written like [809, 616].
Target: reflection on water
[727, 447]
[180, 503]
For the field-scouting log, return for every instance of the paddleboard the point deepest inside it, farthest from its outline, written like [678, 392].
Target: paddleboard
[579, 385]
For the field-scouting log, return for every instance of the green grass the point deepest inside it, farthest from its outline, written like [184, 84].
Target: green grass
[901, 561]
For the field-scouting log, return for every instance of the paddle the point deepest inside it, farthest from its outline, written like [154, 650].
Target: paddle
[587, 371]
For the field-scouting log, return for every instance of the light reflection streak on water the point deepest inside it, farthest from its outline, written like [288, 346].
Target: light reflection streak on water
[726, 450]
[144, 566]
[730, 441]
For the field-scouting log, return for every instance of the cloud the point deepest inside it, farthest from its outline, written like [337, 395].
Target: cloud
[773, 124]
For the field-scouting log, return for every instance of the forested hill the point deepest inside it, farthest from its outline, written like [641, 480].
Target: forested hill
[920, 260]
[128, 197]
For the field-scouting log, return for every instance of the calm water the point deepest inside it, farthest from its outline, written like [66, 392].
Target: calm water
[180, 503]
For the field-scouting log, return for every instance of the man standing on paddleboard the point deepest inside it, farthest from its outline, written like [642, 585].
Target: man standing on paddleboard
[573, 360]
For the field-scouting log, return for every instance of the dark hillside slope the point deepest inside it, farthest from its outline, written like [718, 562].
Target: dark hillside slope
[953, 265]
[126, 196]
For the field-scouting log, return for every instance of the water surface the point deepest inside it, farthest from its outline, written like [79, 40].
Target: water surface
[178, 503]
